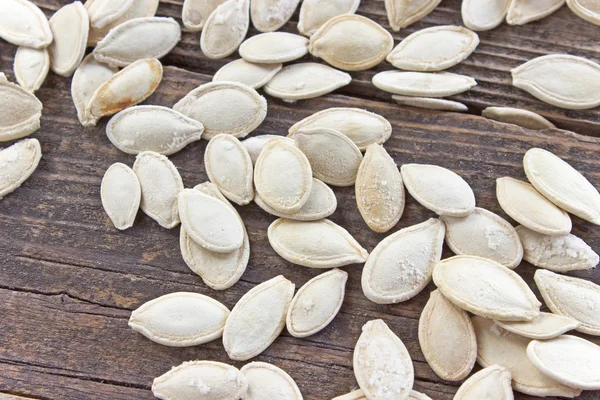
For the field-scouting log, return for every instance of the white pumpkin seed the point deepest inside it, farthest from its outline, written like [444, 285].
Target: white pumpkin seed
[320, 204]
[523, 11]
[266, 381]
[556, 79]
[305, 81]
[351, 42]
[382, 365]
[570, 360]
[104, 12]
[225, 29]
[31, 67]
[431, 104]
[586, 9]
[282, 176]
[274, 48]
[423, 84]
[441, 322]
[255, 144]
[128, 87]
[138, 9]
[24, 24]
[483, 15]
[379, 189]
[206, 380]
[137, 39]
[195, 13]
[209, 222]
[361, 126]
[228, 165]
[486, 288]
[261, 312]
[121, 194]
[160, 183]
[354, 395]
[402, 13]
[314, 13]
[224, 107]
[270, 15]
[152, 128]
[517, 116]
[180, 319]
[494, 381]
[17, 163]
[562, 184]
[483, 233]
[438, 189]
[571, 297]
[434, 49]
[401, 265]
[333, 157]
[317, 303]
[557, 253]
[496, 346]
[544, 326]
[70, 26]
[21, 111]
[315, 244]
[247, 73]
[528, 207]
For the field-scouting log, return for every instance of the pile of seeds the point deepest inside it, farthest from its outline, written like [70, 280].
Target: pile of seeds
[482, 310]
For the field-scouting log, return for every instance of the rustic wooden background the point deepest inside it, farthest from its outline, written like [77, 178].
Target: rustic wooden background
[69, 279]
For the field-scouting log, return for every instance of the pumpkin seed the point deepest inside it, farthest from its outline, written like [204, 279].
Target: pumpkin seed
[586, 9]
[247, 73]
[317, 303]
[523, 11]
[21, 111]
[361, 126]
[262, 311]
[483, 15]
[315, 244]
[270, 15]
[571, 297]
[128, 87]
[206, 380]
[282, 176]
[180, 319]
[31, 67]
[516, 116]
[401, 265]
[528, 207]
[544, 326]
[486, 288]
[70, 27]
[333, 157]
[255, 144]
[351, 42]
[441, 322]
[314, 13]
[434, 49]
[104, 12]
[562, 184]
[195, 13]
[305, 81]
[354, 395]
[382, 365]
[138, 9]
[152, 128]
[431, 104]
[402, 13]
[438, 189]
[423, 84]
[24, 24]
[557, 253]
[137, 39]
[160, 183]
[274, 47]
[228, 165]
[493, 380]
[266, 381]
[121, 194]
[483, 233]
[224, 107]
[496, 346]
[17, 163]
[556, 79]
[225, 29]
[209, 222]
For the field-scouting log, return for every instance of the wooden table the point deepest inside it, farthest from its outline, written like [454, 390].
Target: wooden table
[69, 279]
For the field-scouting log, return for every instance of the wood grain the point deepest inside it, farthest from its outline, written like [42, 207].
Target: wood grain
[69, 279]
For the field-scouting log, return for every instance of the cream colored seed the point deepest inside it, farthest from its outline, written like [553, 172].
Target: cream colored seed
[121, 194]
[431, 104]
[225, 29]
[544, 326]
[70, 27]
[266, 381]
[495, 380]
[24, 24]
[523, 11]
[423, 84]
[274, 48]
[104, 12]
[31, 67]
[255, 144]
[586, 9]
[516, 116]
[250, 74]
[17, 163]
[270, 15]
[21, 111]
[402, 13]
[483, 15]
[195, 13]
[314, 13]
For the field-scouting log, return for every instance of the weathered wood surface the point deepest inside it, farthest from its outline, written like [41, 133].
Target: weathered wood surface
[69, 280]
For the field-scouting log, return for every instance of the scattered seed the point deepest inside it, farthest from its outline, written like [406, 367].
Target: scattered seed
[104, 12]
[225, 29]
[402, 14]
[274, 48]
[138, 9]
[17, 163]
[314, 13]
[70, 27]
[195, 13]
[423, 84]
[517, 116]
[121, 194]
[24, 24]
[31, 67]
[266, 381]
[247, 73]
[493, 380]
[586, 9]
[544, 326]
[255, 144]
[21, 111]
[270, 15]
[431, 104]
[483, 15]
[523, 11]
